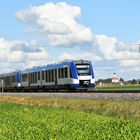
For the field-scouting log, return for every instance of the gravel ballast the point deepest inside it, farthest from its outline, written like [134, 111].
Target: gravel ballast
[104, 96]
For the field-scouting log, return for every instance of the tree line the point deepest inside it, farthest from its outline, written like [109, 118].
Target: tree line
[109, 80]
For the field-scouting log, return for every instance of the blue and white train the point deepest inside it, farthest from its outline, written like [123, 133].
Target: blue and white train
[65, 75]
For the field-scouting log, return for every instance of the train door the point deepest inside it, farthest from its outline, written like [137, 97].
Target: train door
[56, 82]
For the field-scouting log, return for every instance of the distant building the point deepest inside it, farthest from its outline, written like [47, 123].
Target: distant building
[115, 79]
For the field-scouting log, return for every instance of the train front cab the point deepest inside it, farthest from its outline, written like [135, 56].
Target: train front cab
[83, 74]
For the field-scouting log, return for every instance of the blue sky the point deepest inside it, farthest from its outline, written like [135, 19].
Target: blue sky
[118, 19]
[114, 18]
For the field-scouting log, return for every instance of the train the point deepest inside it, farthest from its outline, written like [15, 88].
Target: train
[66, 75]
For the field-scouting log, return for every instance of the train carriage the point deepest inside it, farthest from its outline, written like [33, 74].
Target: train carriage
[65, 75]
[10, 81]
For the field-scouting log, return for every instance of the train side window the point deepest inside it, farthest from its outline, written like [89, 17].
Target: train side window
[46, 75]
[49, 75]
[66, 72]
[29, 77]
[35, 77]
[43, 76]
[24, 78]
[52, 75]
[12, 79]
[63, 74]
[70, 73]
[32, 77]
[38, 75]
[34, 74]
[59, 73]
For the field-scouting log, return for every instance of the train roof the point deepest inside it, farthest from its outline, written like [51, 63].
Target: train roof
[54, 66]
[9, 74]
[47, 67]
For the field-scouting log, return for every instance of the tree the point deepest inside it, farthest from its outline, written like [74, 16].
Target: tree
[121, 80]
[134, 81]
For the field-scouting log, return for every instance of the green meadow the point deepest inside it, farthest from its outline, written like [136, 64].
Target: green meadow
[118, 87]
[27, 118]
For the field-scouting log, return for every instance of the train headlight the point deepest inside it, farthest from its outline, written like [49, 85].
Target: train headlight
[19, 84]
[86, 82]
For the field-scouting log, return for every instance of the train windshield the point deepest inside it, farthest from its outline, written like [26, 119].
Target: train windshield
[83, 69]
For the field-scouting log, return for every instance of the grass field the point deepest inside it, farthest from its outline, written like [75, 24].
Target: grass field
[118, 87]
[60, 119]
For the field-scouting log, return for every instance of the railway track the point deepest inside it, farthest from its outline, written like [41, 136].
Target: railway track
[81, 91]
[113, 91]
[98, 94]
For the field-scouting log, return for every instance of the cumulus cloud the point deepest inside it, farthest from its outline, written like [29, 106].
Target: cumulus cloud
[79, 56]
[17, 53]
[58, 23]
[112, 49]
[125, 57]
[130, 62]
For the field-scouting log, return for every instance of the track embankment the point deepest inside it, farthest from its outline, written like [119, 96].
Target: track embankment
[78, 95]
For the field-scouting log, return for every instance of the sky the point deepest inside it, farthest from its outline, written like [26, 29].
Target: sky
[40, 32]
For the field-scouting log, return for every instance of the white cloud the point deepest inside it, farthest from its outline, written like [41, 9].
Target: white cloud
[18, 54]
[112, 49]
[58, 24]
[78, 56]
[131, 62]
